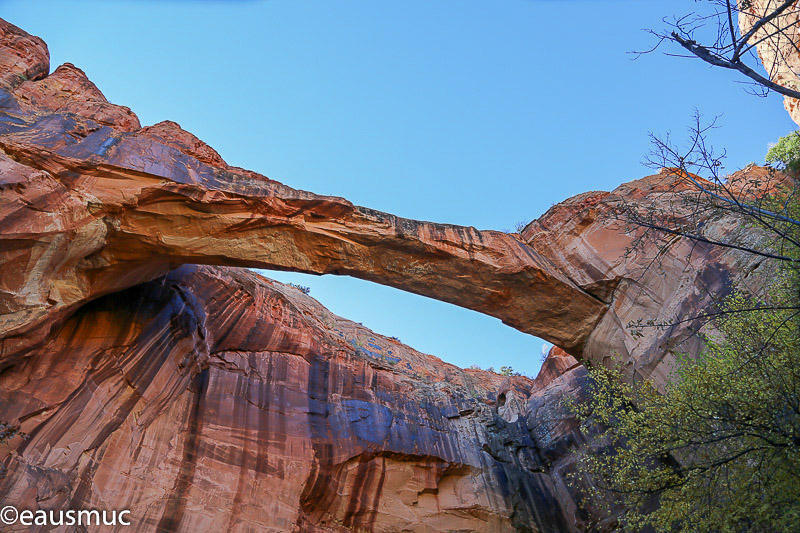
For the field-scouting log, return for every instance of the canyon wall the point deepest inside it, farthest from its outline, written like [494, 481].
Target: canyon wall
[212, 399]
[207, 397]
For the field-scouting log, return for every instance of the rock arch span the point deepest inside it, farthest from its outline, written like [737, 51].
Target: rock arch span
[92, 203]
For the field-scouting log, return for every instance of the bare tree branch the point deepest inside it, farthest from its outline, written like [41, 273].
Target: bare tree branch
[731, 49]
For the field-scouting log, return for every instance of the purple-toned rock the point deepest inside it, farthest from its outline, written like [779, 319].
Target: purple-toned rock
[214, 399]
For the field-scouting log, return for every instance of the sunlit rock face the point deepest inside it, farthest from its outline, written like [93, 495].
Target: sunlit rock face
[778, 44]
[214, 399]
[663, 278]
[23, 57]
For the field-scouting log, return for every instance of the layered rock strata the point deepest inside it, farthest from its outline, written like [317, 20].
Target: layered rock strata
[663, 277]
[212, 399]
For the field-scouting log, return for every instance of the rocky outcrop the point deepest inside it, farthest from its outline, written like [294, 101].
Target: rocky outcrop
[214, 399]
[69, 91]
[663, 278]
[777, 43]
[562, 440]
[23, 57]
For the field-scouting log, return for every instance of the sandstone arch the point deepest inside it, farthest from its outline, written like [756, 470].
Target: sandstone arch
[90, 203]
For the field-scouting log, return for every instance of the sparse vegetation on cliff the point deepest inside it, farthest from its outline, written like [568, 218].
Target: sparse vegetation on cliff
[507, 371]
[9, 431]
[520, 226]
[301, 288]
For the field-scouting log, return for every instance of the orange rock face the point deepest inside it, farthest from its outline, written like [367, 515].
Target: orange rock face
[92, 205]
[666, 279]
[777, 44]
[214, 399]
[23, 57]
[68, 90]
[208, 398]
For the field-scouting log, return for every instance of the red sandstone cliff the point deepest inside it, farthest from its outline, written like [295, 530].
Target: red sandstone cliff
[214, 399]
[205, 397]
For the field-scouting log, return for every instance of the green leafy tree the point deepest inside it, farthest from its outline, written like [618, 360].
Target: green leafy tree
[719, 449]
[785, 154]
[506, 371]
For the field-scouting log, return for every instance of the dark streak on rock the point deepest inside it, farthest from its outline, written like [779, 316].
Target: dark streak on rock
[176, 505]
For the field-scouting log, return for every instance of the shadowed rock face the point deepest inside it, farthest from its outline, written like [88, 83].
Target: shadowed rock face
[560, 440]
[214, 399]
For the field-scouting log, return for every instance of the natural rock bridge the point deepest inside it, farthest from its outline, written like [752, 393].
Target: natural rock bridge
[92, 204]
[209, 398]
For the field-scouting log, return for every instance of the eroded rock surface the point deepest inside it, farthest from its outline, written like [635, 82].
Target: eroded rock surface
[665, 278]
[214, 399]
[561, 440]
[23, 57]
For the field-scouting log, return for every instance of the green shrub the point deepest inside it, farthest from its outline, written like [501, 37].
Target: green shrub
[785, 154]
[719, 448]
[506, 371]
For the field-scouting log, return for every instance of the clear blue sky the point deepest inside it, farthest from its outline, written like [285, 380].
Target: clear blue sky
[469, 112]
